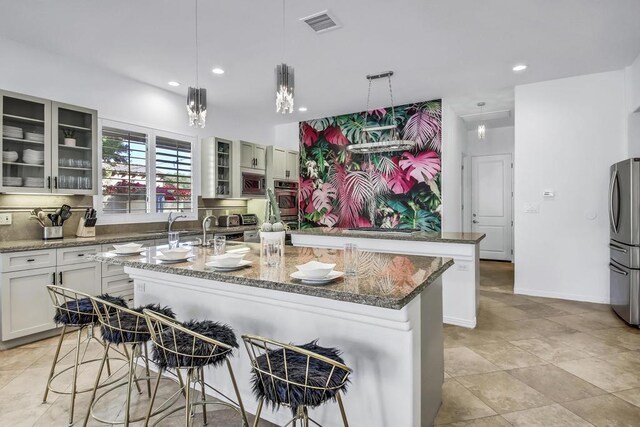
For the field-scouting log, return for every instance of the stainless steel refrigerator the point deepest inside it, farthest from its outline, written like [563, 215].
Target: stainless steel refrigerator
[624, 245]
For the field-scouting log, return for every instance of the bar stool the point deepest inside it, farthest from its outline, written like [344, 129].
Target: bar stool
[299, 377]
[192, 345]
[121, 325]
[73, 309]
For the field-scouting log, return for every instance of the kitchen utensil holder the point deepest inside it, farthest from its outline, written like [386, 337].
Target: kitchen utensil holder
[86, 230]
[52, 233]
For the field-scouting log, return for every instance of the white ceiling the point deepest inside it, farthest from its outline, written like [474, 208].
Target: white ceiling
[462, 49]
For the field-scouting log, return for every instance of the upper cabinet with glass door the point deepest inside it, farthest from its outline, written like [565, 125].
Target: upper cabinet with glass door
[47, 147]
[74, 149]
[26, 144]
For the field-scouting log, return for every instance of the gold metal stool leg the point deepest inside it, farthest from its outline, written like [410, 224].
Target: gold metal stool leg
[344, 415]
[75, 376]
[204, 396]
[132, 369]
[153, 397]
[97, 383]
[146, 368]
[258, 412]
[245, 422]
[187, 407]
[53, 364]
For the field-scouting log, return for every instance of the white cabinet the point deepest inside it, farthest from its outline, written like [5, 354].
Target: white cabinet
[75, 255]
[282, 164]
[252, 156]
[26, 305]
[54, 145]
[83, 277]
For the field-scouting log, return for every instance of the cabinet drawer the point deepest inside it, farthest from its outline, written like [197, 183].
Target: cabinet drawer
[76, 255]
[115, 285]
[17, 261]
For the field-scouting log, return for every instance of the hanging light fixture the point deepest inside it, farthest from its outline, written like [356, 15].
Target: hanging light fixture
[395, 142]
[285, 83]
[197, 96]
[482, 129]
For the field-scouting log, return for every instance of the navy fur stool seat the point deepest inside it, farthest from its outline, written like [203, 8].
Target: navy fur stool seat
[191, 346]
[298, 377]
[73, 309]
[126, 328]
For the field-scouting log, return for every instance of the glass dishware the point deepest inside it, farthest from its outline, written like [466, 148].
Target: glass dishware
[62, 181]
[87, 182]
[350, 259]
[174, 239]
[72, 181]
[219, 244]
[272, 249]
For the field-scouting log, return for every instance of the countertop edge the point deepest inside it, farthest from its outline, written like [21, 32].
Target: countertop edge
[396, 236]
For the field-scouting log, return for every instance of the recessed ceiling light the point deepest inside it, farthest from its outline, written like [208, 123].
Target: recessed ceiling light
[302, 109]
[520, 67]
[217, 70]
[174, 84]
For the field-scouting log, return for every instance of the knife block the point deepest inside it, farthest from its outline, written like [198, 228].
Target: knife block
[85, 231]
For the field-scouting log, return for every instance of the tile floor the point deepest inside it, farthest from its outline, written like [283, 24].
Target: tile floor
[530, 362]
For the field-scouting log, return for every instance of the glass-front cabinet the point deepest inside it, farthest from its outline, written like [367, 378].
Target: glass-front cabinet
[74, 136]
[26, 147]
[223, 167]
[47, 147]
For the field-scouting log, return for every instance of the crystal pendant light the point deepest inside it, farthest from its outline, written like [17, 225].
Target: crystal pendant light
[197, 96]
[284, 88]
[482, 129]
[284, 77]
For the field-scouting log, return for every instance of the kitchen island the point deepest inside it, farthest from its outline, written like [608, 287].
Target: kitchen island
[461, 284]
[387, 321]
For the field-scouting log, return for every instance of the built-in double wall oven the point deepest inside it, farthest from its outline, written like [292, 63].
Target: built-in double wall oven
[286, 193]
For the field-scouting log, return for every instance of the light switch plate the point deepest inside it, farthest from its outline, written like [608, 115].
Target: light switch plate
[5, 218]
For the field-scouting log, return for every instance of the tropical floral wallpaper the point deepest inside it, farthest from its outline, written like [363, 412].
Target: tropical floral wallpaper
[390, 190]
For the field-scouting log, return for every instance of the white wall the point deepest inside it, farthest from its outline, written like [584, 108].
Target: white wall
[632, 92]
[567, 134]
[288, 136]
[497, 141]
[454, 135]
[47, 75]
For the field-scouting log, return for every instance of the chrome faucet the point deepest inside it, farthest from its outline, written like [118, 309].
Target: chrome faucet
[171, 220]
[205, 223]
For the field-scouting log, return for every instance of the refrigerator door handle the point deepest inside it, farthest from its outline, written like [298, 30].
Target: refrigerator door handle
[617, 248]
[612, 185]
[617, 270]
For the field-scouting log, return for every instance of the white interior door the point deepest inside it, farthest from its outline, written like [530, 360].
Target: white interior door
[491, 206]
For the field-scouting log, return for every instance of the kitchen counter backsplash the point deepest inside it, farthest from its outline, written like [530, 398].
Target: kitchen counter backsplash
[25, 229]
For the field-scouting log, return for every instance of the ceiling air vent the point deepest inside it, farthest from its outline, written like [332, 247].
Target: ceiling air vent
[321, 22]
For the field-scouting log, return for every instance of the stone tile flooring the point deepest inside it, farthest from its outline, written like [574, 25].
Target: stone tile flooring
[530, 362]
[539, 362]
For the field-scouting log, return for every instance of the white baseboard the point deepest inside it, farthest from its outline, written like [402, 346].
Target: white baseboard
[560, 295]
[459, 322]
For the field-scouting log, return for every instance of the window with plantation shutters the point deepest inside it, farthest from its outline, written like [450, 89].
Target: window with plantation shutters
[124, 171]
[146, 173]
[173, 175]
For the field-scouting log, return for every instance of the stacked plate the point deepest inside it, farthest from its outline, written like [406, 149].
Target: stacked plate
[11, 181]
[316, 273]
[12, 132]
[9, 156]
[128, 249]
[33, 136]
[33, 157]
[175, 255]
[228, 262]
[31, 181]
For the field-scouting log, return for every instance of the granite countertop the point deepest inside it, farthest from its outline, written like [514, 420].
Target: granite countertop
[418, 236]
[67, 242]
[383, 280]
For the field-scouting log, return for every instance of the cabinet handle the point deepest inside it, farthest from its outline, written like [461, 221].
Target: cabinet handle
[130, 280]
[30, 260]
[49, 182]
[60, 275]
[53, 278]
[55, 182]
[80, 254]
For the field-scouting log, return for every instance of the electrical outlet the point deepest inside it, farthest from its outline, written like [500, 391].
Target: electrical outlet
[5, 218]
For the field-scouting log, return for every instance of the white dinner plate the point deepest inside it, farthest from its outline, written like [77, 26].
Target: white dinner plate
[119, 253]
[313, 281]
[166, 260]
[244, 263]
